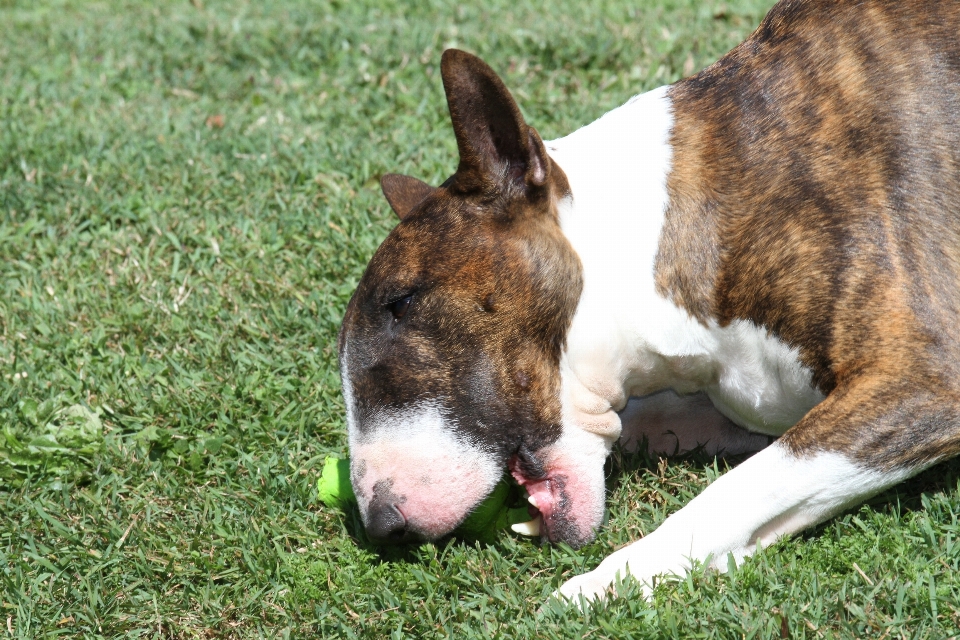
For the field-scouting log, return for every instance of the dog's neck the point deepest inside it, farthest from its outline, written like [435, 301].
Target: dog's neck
[617, 168]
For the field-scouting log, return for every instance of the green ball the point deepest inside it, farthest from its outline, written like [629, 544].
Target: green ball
[333, 487]
[484, 519]
[493, 514]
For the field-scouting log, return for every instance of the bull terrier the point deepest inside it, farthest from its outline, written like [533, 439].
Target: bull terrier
[779, 234]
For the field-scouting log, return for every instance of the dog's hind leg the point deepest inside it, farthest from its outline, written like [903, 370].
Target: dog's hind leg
[856, 443]
[672, 424]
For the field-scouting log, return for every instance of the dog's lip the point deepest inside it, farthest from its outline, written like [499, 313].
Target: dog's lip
[539, 490]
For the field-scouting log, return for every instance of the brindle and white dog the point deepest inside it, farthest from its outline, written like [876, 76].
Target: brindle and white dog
[780, 233]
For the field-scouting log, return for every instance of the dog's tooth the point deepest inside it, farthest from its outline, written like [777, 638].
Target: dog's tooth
[533, 501]
[531, 528]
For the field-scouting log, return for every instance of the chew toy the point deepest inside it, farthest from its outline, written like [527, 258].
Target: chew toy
[334, 486]
[483, 523]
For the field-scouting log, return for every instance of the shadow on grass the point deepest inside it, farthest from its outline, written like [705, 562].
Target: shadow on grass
[624, 463]
[908, 495]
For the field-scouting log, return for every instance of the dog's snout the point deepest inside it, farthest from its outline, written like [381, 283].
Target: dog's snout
[386, 523]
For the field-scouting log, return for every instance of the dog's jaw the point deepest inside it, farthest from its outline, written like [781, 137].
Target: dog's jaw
[565, 483]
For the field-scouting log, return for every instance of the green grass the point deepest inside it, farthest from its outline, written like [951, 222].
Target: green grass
[188, 195]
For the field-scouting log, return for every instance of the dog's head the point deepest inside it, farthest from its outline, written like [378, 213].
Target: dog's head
[450, 348]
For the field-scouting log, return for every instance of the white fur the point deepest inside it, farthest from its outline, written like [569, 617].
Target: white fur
[347, 386]
[437, 475]
[773, 494]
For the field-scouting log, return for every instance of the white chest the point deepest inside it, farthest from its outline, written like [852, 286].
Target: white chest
[759, 383]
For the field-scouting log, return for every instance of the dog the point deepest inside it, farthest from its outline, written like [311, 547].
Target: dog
[770, 245]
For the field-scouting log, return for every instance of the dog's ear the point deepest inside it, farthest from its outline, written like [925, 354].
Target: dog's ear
[490, 130]
[403, 192]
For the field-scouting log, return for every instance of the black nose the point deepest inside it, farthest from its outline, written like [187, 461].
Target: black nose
[386, 523]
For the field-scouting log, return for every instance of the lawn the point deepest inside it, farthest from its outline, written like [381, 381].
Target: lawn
[188, 195]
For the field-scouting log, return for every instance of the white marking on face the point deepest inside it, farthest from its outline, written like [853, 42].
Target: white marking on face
[418, 457]
[771, 495]
[347, 385]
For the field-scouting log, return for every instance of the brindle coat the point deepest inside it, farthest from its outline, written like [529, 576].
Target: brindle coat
[835, 222]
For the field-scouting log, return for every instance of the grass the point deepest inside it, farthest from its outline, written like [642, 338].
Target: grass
[188, 195]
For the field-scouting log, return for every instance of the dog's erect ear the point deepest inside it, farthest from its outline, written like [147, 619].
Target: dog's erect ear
[490, 130]
[403, 192]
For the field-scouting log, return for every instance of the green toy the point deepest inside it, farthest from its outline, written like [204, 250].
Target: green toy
[334, 485]
[493, 514]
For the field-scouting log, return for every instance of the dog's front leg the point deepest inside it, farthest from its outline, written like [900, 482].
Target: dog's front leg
[779, 491]
[774, 493]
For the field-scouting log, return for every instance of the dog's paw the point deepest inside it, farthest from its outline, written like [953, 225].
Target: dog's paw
[584, 589]
[597, 586]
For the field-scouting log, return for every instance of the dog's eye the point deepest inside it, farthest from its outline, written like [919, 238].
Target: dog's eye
[398, 308]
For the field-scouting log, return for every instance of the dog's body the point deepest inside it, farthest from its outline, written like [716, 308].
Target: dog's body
[780, 232]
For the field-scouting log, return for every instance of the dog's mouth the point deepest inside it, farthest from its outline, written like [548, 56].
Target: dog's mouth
[545, 496]
[563, 503]
[534, 494]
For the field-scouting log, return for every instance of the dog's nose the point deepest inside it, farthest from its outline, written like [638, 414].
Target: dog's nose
[386, 523]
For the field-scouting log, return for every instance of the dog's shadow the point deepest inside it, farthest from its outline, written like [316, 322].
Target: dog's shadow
[907, 496]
